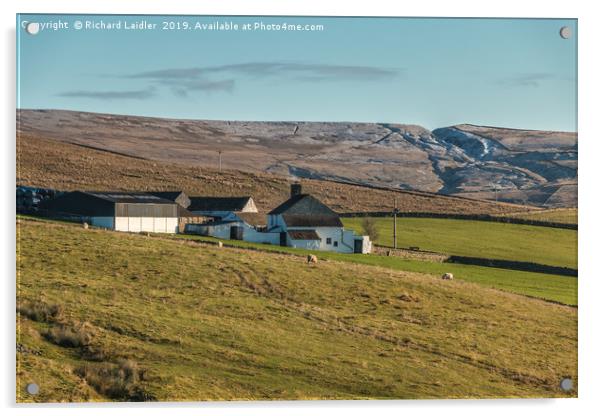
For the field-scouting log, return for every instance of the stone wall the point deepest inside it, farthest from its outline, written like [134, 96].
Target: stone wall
[409, 254]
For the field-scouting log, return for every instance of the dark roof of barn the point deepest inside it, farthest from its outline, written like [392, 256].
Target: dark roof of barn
[128, 197]
[303, 204]
[303, 235]
[106, 203]
[210, 203]
[312, 220]
[171, 195]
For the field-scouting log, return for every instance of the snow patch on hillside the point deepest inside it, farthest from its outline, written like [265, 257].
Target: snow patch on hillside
[477, 147]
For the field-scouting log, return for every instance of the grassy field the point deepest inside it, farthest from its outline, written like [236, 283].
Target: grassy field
[543, 245]
[562, 215]
[112, 316]
[555, 288]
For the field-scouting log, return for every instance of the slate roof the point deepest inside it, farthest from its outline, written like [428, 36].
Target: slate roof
[171, 195]
[178, 197]
[302, 204]
[107, 204]
[303, 235]
[306, 211]
[209, 203]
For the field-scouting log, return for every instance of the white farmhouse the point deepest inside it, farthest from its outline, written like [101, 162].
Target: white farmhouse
[301, 222]
[304, 222]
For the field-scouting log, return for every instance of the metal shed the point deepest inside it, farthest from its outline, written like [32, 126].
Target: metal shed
[132, 212]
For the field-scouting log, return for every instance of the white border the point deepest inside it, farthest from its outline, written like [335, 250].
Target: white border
[590, 154]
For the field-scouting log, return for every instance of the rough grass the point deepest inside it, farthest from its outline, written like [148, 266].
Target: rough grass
[562, 215]
[555, 288]
[70, 336]
[40, 311]
[209, 323]
[52, 164]
[116, 381]
[543, 245]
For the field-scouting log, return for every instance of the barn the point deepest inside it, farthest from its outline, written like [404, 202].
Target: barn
[185, 217]
[132, 212]
[222, 208]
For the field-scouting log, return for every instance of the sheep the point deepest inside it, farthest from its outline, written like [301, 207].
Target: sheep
[448, 276]
[312, 259]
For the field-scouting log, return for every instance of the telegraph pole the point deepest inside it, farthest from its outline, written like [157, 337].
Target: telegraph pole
[219, 152]
[395, 211]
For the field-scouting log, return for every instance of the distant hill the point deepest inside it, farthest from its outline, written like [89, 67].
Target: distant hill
[524, 166]
[54, 164]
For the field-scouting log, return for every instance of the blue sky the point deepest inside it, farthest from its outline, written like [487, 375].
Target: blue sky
[432, 72]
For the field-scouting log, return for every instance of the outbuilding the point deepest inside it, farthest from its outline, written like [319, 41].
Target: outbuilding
[132, 212]
[185, 217]
[222, 208]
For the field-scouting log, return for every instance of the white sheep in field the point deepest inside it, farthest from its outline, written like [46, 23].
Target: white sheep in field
[312, 259]
[448, 276]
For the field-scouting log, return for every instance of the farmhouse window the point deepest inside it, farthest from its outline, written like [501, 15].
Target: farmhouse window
[336, 243]
[328, 240]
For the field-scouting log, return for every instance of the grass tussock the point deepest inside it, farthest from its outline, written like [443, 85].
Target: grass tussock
[119, 381]
[92, 352]
[406, 297]
[40, 311]
[70, 335]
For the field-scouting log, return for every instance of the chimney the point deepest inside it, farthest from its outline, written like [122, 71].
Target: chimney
[295, 189]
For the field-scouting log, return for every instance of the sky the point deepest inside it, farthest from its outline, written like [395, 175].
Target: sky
[436, 72]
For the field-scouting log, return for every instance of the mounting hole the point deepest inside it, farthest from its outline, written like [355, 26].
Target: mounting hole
[32, 388]
[566, 384]
[32, 28]
[565, 32]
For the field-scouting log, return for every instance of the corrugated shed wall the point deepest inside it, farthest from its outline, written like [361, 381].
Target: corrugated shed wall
[146, 210]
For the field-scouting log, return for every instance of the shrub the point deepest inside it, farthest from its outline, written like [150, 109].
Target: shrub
[369, 227]
[119, 381]
[71, 336]
[40, 311]
[96, 353]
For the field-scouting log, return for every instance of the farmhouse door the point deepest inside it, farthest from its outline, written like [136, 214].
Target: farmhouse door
[236, 232]
[283, 239]
[357, 246]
